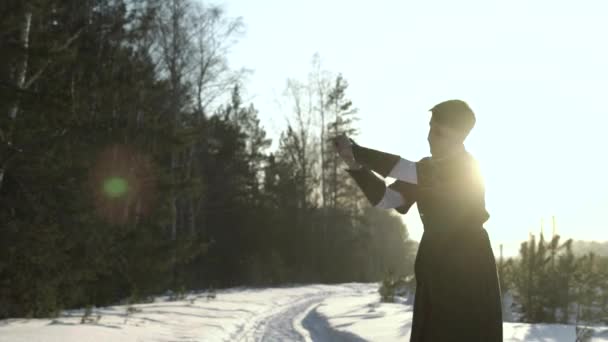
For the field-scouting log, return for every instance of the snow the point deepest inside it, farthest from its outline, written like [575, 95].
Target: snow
[347, 312]
[363, 315]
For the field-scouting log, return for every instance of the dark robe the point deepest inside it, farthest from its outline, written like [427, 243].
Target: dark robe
[457, 289]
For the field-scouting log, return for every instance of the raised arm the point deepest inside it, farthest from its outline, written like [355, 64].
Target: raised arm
[385, 164]
[399, 195]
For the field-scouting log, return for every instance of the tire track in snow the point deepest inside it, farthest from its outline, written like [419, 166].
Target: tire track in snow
[286, 325]
[277, 324]
[298, 321]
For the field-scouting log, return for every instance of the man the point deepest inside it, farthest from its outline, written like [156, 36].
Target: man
[457, 290]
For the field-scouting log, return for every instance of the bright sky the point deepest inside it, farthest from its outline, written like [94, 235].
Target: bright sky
[535, 73]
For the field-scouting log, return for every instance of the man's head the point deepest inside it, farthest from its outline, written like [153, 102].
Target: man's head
[451, 122]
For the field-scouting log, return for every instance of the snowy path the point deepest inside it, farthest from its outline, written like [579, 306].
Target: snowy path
[286, 325]
[240, 314]
[342, 313]
[299, 320]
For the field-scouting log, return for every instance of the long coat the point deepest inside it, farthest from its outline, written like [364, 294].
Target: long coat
[457, 289]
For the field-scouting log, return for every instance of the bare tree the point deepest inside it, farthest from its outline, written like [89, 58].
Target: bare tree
[192, 42]
[299, 138]
[23, 82]
[214, 36]
[320, 82]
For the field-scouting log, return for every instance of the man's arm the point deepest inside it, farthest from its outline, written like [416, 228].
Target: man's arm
[386, 164]
[399, 195]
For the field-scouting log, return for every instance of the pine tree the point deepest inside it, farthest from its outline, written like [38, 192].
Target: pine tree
[342, 191]
[566, 266]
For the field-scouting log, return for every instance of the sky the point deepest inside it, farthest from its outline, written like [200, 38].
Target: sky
[534, 72]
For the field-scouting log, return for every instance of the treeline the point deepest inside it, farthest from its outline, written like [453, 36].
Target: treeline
[595, 247]
[130, 165]
[551, 284]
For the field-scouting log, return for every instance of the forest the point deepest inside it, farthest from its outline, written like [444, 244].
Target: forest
[130, 164]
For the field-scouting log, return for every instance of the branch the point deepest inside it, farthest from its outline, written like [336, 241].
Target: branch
[59, 49]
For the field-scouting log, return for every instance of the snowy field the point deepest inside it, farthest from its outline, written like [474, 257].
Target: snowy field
[348, 312]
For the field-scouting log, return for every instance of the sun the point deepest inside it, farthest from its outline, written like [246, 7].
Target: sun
[531, 178]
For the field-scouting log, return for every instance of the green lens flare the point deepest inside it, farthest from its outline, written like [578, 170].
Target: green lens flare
[115, 187]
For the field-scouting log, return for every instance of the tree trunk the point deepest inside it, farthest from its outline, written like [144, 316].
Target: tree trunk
[21, 74]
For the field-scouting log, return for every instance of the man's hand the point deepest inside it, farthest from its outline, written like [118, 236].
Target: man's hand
[344, 148]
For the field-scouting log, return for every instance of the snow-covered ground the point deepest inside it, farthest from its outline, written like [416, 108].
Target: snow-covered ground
[348, 312]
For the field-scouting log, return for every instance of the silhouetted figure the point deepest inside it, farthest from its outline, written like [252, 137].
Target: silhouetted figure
[457, 290]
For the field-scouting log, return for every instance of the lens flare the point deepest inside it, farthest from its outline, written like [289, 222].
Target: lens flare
[123, 185]
[115, 187]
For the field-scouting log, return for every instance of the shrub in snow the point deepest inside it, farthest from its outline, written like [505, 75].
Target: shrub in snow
[399, 287]
[387, 293]
[211, 294]
[87, 316]
[131, 310]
